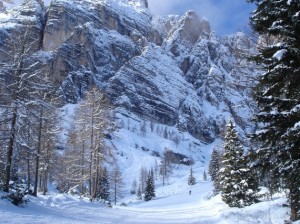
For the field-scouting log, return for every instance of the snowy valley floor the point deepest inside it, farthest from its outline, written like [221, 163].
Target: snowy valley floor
[173, 205]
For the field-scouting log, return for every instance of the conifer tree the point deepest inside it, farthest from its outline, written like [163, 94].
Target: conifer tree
[278, 95]
[143, 178]
[214, 165]
[150, 188]
[103, 188]
[252, 173]
[139, 193]
[191, 178]
[214, 169]
[235, 177]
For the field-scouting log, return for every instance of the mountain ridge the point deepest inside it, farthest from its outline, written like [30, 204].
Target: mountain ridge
[176, 73]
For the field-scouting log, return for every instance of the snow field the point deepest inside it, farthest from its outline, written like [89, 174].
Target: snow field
[173, 208]
[172, 205]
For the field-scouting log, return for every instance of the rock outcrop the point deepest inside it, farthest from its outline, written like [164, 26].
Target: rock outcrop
[170, 70]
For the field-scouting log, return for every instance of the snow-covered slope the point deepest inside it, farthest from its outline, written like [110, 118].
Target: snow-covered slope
[173, 205]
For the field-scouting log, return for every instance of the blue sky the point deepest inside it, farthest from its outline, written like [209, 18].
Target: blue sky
[224, 16]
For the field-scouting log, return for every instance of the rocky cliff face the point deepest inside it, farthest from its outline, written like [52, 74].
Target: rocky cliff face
[171, 70]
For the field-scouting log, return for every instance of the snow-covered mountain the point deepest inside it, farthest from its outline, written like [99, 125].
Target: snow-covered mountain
[172, 71]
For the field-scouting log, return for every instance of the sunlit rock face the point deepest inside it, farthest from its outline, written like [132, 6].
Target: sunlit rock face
[171, 70]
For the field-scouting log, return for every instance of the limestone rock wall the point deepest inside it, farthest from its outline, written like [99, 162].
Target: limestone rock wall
[170, 70]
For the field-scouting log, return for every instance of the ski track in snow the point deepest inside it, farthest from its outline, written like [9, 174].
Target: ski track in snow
[68, 209]
[177, 208]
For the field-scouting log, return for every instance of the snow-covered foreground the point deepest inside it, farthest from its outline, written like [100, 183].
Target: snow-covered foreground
[172, 204]
[179, 207]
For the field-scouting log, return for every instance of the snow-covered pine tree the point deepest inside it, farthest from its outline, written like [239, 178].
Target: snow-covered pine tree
[150, 187]
[103, 188]
[214, 168]
[235, 175]
[191, 178]
[278, 94]
[251, 175]
[228, 173]
[214, 165]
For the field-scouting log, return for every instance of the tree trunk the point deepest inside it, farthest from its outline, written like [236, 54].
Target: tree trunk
[37, 162]
[28, 172]
[95, 184]
[45, 171]
[164, 172]
[91, 175]
[28, 165]
[10, 150]
[82, 169]
[294, 215]
[91, 150]
[97, 173]
[294, 201]
[115, 191]
[45, 180]
[163, 178]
